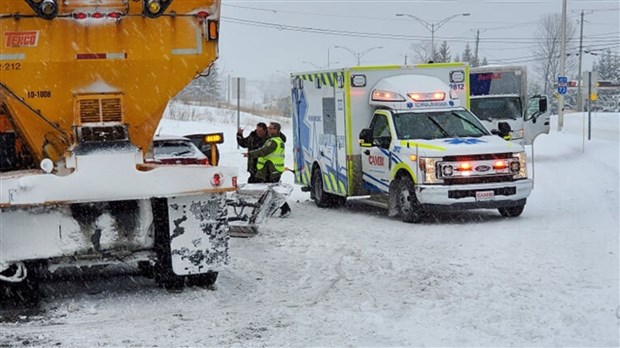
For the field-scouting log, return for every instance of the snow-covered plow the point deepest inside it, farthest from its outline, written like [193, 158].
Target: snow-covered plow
[252, 204]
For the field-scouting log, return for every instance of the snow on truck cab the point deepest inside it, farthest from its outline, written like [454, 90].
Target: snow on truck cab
[401, 137]
[82, 90]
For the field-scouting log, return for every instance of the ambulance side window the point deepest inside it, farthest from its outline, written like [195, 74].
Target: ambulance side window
[380, 131]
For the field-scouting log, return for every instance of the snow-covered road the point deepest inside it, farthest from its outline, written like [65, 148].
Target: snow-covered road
[354, 277]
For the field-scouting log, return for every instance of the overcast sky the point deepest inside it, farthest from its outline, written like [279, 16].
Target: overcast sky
[266, 38]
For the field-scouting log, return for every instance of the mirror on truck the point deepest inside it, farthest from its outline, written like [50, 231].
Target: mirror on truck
[542, 104]
[503, 130]
[365, 137]
[536, 106]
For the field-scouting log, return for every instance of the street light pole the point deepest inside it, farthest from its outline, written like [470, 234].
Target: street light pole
[432, 27]
[358, 55]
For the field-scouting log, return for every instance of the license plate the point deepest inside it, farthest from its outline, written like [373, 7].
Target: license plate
[484, 195]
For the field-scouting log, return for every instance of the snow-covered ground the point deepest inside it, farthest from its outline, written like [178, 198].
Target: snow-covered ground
[355, 277]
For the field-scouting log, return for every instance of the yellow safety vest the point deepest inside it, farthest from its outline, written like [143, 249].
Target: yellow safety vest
[276, 157]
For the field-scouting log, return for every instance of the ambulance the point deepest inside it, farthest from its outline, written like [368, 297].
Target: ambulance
[402, 138]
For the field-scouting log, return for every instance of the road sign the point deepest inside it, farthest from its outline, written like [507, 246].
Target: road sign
[562, 80]
[562, 84]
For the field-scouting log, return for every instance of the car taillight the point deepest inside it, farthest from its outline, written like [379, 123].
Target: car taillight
[216, 180]
[234, 181]
[203, 161]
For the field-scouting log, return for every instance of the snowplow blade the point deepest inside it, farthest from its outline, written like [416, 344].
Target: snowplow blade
[252, 204]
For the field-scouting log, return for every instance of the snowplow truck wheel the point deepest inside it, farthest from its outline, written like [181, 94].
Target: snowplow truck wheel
[202, 280]
[511, 211]
[163, 273]
[409, 208]
[24, 294]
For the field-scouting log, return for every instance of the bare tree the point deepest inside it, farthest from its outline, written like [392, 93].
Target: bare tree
[547, 49]
[421, 52]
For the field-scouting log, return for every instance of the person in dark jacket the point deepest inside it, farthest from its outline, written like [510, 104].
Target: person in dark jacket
[270, 160]
[254, 141]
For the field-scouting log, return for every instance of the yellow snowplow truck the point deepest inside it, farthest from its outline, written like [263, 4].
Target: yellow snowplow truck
[83, 85]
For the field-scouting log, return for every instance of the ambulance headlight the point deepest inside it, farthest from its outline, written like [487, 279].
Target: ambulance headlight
[428, 170]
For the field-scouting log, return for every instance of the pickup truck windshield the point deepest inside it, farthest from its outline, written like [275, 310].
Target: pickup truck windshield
[437, 125]
[497, 108]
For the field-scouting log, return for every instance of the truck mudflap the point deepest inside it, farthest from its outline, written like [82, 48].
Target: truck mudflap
[252, 204]
[198, 233]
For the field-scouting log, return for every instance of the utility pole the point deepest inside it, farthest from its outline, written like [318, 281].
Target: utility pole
[477, 42]
[579, 79]
[562, 67]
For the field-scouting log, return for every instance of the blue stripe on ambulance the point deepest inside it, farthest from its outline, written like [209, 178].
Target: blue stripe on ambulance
[374, 184]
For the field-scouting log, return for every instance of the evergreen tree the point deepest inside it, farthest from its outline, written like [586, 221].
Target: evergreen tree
[468, 56]
[484, 61]
[608, 66]
[206, 87]
[443, 55]
[211, 83]
[457, 58]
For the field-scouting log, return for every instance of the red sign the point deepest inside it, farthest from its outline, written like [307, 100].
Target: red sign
[21, 38]
[490, 76]
[376, 160]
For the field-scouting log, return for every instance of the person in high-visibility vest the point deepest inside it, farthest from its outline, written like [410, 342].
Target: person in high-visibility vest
[270, 160]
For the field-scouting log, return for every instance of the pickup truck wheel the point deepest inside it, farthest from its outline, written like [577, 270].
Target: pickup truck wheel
[408, 206]
[512, 211]
[321, 198]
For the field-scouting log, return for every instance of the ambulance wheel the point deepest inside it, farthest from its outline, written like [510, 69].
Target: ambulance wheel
[408, 206]
[512, 211]
[321, 198]
[338, 201]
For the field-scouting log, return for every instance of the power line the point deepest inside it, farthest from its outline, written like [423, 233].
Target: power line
[327, 31]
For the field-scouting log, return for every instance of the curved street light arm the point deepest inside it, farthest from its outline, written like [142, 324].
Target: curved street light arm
[348, 49]
[368, 50]
[426, 24]
[445, 20]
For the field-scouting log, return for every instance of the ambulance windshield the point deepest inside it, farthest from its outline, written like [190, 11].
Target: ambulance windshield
[437, 125]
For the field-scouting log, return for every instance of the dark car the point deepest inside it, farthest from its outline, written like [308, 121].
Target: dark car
[204, 147]
[172, 149]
